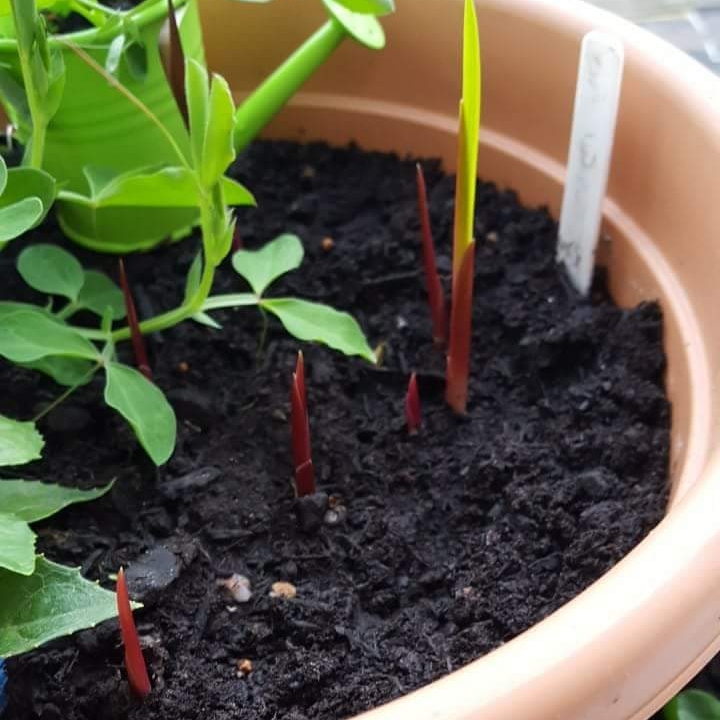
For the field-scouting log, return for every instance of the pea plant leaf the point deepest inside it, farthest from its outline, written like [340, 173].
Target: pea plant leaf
[32, 500]
[28, 333]
[314, 322]
[52, 602]
[145, 408]
[24, 182]
[20, 442]
[68, 371]
[198, 101]
[261, 267]
[218, 151]
[693, 705]
[17, 545]
[98, 293]
[52, 270]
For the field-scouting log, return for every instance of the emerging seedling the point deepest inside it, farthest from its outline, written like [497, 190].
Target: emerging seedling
[300, 432]
[138, 344]
[134, 661]
[458, 361]
[436, 296]
[413, 415]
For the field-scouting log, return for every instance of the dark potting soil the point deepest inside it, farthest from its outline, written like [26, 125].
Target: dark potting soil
[447, 544]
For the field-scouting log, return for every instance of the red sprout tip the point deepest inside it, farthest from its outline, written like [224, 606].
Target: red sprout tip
[300, 432]
[134, 661]
[138, 343]
[436, 296]
[413, 415]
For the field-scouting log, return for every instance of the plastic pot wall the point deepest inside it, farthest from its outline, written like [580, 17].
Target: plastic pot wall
[631, 640]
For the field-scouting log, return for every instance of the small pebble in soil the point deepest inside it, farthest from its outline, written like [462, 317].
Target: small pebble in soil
[284, 590]
[183, 367]
[335, 515]
[327, 244]
[151, 573]
[310, 511]
[244, 667]
[238, 586]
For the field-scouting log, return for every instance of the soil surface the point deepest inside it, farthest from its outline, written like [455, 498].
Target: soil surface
[446, 545]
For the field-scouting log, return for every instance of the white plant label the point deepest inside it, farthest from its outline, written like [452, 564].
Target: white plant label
[597, 97]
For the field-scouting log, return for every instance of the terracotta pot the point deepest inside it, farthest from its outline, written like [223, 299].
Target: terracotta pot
[629, 642]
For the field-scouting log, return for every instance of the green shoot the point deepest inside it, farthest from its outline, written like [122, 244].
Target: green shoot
[458, 361]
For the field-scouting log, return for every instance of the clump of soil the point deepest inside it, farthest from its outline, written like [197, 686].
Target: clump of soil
[444, 545]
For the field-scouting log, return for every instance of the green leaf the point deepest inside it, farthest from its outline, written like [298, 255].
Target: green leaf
[17, 546]
[218, 151]
[20, 442]
[24, 182]
[203, 318]
[14, 96]
[52, 602]
[320, 323]
[235, 194]
[66, 371]
[98, 293]
[192, 282]
[261, 267]
[115, 50]
[692, 705]
[3, 174]
[362, 27]
[52, 270]
[198, 99]
[369, 7]
[18, 218]
[28, 333]
[31, 500]
[144, 406]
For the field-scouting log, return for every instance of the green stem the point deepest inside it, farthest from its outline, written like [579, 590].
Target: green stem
[70, 309]
[93, 12]
[268, 99]
[65, 395]
[188, 308]
[39, 123]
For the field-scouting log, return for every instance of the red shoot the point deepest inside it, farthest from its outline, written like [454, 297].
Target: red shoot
[134, 661]
[141, 358]
[300, 432]
[413, 415]
[436, 296]
[458, 360]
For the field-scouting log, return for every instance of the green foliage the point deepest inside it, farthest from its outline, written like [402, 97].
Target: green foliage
[304, 320]
[25, 198]
[29, 333]
[261, 267]
[52, 602]
[31, 500]
[319, 323]
[144, 406]
[51, 270]
[692, 705]
[20, 442]
[38, 599]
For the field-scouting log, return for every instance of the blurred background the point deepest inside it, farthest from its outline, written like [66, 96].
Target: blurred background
[692, 25]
